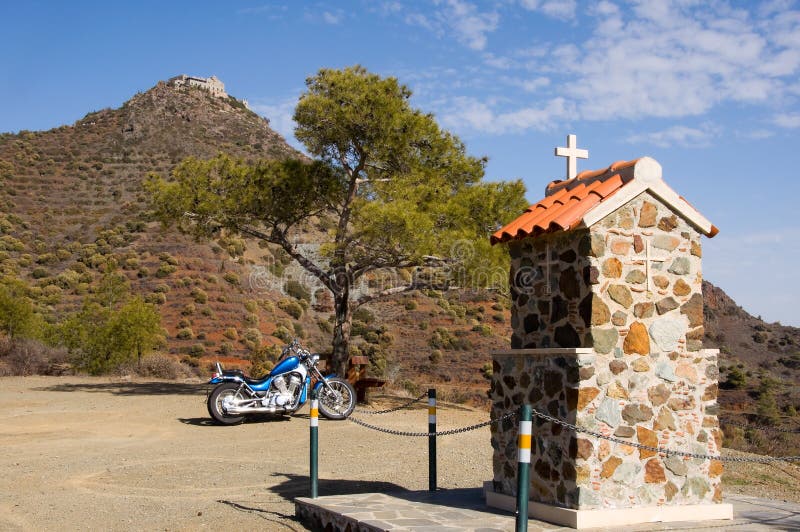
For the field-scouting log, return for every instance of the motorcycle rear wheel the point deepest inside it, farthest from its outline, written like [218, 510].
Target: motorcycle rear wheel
[337, 400]
[226, 390]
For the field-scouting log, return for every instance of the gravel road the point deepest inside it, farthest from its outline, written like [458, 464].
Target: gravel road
[101, 454]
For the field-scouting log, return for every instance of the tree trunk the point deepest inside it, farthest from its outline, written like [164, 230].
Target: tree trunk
[341, 334]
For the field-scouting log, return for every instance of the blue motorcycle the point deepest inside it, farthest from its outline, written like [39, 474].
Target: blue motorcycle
[282, 392]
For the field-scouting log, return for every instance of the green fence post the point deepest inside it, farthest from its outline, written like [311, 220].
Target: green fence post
[524, 467]
[314, 446]
[432, 439]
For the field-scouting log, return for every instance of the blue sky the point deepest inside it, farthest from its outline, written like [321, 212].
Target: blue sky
[708, 88]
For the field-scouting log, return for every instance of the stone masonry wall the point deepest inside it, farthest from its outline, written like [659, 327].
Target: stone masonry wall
[540, 319]
[637, 311]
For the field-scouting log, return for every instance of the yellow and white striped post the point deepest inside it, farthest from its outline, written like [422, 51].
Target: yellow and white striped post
[524, 467]
[314, 445]
[432, 439]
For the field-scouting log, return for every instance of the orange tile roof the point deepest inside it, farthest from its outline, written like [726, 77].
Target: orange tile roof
[566, 203]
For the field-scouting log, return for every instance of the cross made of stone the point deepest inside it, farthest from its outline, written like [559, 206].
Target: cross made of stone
[572, 153]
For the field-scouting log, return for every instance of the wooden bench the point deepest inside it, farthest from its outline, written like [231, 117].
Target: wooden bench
[357, 376]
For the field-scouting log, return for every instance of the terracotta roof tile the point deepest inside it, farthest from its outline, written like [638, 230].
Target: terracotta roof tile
[585, 200]
[566, 203]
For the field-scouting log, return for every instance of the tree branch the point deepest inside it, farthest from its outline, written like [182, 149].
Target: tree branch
[366, 298]
[279, 237]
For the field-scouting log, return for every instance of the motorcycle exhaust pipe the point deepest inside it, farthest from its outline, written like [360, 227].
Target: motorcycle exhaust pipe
[255, 410]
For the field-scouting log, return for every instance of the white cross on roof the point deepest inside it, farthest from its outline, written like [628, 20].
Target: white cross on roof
[572, 153]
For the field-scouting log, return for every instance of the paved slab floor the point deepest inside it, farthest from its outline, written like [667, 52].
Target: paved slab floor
[465, 510]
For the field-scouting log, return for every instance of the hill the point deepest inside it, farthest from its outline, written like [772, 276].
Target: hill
[73, 208]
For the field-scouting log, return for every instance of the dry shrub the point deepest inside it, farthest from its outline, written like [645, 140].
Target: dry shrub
[156, 366]
[23, 356]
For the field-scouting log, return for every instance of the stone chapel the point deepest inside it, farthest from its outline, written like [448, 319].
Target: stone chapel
[607, 322]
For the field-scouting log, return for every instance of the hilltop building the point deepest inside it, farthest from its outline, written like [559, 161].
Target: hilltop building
[213, 84]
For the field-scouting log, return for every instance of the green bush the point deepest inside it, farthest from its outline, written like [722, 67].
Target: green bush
[363, 314]
[297, 290]
[197, 350]
[165, 270]
[283, 334]
[185, 334]
[231, 278]
[483, 329]
[291, 307]
[199, 295]
[156, 298]
[736, 379]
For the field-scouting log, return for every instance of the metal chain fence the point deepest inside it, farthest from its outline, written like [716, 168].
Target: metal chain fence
[668, 452]
[395, 409]
[449, 432]
[570, 426]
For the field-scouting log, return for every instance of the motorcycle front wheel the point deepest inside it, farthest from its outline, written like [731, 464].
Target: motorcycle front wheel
[337, 399]
[227, 391]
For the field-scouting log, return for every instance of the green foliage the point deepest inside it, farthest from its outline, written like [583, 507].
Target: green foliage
[443, 339]
[185, 333]
[483, 329]
[736, 379]
[767, 408]
[111, 328]
[263, 360]
[291, 307]
[231, 278]
[297, 290]
[282, 333]
[18, 317]
[364, 315]
[197, 350]
[199, 295]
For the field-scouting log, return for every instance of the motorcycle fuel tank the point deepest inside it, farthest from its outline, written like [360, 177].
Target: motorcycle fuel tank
[287, 364]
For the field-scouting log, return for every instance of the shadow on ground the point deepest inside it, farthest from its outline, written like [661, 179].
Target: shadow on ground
[208, 422]
[277, 519]
[299, 486]
[131, 388]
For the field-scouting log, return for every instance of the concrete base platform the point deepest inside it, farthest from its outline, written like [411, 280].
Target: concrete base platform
[581, 519]
[465, 510]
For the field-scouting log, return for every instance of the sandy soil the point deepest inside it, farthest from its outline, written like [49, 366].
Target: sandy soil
[90, 453]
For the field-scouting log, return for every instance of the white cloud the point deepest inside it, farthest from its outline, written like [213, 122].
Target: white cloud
[679, 135]
[636, 59]
[470, 113]
[560, 9]
[470, 26]
[331, 18]
[674, 59]
[788, 120]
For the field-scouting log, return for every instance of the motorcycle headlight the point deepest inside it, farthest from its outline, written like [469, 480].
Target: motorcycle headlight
[314, 359]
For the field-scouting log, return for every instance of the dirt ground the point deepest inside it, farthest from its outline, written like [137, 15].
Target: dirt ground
[101, 454]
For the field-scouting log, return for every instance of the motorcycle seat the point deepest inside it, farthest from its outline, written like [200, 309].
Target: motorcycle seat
[255, 382]
[240, 374]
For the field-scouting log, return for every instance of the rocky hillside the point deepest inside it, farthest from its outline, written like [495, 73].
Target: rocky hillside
[73, 208]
